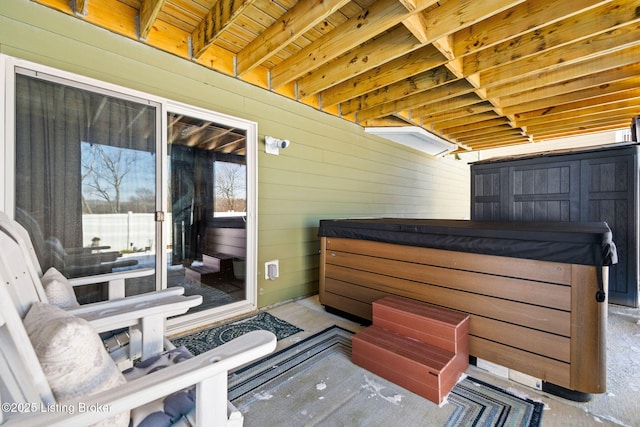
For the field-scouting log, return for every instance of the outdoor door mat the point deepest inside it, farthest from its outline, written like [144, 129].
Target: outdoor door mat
[206, 339]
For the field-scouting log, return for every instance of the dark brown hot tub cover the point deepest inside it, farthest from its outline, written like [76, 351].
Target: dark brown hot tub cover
[587, 243]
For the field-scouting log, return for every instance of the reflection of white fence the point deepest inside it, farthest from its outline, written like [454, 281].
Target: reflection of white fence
[127, 231]
[121, 231]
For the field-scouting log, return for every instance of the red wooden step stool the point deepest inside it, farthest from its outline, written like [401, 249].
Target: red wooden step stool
[419, 346]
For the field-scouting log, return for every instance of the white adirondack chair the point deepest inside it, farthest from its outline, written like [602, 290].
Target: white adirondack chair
[28, 397]
[146, 328]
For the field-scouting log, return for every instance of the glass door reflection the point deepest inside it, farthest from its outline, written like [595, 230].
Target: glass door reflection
[85, 180]
[207, 241]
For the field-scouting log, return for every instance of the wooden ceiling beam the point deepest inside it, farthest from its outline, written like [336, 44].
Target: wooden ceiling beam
[520, 19]
[418, 99]
[500, 141]
[599, 82]
[439, 24]
[582, 130]
[452, 106]
[378, 51]
[417, 25]
[514, 45]
[455, 15]
[495, 134]
[80, 7]
[604, 44]
[568, 31]
[582, 103]
[581, 123]
[499, 144]
[379, 17]
[464, 119]
[441, 21]
[627, 56]
[445, 43]
[416, 62]
[616, 88]
[496, 139]
[454, 117]
[626, 105]
[474, 126]
[217, 20]
[424, 81]
[296, 22]
[447, 52]
[149, 11]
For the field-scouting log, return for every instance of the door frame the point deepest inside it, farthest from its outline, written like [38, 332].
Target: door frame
[8, 65]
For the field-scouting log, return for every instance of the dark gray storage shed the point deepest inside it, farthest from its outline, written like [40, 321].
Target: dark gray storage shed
[599, 184]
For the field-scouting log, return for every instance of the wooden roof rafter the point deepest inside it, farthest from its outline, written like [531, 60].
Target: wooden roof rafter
[413, 62]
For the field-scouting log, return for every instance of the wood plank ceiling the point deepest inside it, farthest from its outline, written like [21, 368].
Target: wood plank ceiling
[480, 73]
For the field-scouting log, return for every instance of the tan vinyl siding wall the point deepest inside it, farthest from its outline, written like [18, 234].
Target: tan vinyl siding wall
[332, 168]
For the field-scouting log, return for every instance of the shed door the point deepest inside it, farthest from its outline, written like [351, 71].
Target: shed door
[609, 190]
[545, 191]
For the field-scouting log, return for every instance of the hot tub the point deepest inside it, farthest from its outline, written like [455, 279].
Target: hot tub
[535, 292]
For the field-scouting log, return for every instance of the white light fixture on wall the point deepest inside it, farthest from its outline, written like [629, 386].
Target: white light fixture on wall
[274, 145]
[414, 137]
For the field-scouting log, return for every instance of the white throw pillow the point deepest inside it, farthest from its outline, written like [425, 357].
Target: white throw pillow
[58, 289]
[72, 356]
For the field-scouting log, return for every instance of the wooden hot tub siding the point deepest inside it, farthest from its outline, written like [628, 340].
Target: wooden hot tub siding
[537, 317]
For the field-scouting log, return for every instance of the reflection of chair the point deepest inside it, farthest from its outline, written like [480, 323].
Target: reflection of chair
[116, 281]
[55, 371]
[146, 326]
[72, 262]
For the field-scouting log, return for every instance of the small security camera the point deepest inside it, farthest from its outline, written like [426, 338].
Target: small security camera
[274, 145]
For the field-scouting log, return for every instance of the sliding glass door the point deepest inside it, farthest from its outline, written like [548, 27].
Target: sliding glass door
[207, 214]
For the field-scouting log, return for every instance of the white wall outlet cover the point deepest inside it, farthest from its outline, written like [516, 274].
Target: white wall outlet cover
[271, 270]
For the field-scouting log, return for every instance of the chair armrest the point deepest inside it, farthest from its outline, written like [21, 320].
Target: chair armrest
[73, 271]
[138, 298]
[147, 313]
[214, 364]
[55, 245]
[85, 250]
[115, 280]
[90, 259]
[119, 275]
[120, 313]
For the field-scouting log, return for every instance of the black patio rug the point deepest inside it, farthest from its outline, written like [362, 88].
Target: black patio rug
[206, 339]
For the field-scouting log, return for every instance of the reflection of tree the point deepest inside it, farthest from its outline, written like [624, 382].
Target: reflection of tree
[230, 187]
[143, 201]
[103, 173]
